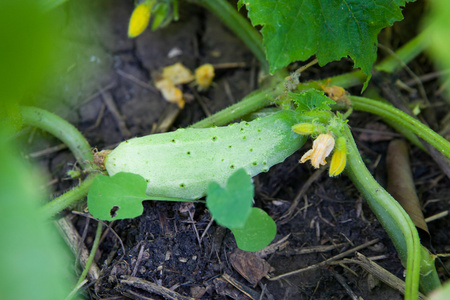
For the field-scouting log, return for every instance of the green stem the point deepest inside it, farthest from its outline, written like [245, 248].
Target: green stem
[68, 198]
[429, 278]
[406, 121]
[250, 103]
[98, 234]
[391, 215]
[405, 54]
[239, 25]
[61, 129]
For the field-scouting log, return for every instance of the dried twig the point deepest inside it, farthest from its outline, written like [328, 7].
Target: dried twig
[152, 288]
[73, 239]
[327, 261]
[380, 273]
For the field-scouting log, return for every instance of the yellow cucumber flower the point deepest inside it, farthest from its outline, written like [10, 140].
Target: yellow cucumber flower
[322, 147]
[140, 18]
[303, 128]
[339, 158]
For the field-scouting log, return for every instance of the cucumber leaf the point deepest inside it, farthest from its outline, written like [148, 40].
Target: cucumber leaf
[120, 196]
[257, 233]
[117, 197]
[230, 206]
[311, 99]
[330, 29]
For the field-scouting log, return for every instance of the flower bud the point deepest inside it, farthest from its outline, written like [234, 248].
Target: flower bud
[303, 128]
[140, 18]
[339, 158]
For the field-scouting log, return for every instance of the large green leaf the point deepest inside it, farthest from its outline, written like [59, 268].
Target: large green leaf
[330, 29]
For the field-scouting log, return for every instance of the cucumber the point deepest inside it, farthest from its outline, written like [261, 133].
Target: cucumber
[182, 163]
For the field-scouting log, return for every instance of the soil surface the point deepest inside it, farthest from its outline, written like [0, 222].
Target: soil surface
[175, 246]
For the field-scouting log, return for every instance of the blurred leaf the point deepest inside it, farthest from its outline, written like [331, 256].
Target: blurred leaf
[258, 232]
[330, 29]
[162, 15]
[438, 29]
[33, 258]
[27, 47]
[230, 206]
[10, 118]
[442, 293]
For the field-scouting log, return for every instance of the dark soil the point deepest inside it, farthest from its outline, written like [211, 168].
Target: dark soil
[163, 245]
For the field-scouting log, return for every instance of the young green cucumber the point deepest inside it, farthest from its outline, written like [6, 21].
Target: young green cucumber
[181, 164]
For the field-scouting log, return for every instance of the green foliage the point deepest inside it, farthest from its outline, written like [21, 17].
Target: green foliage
[257, 233]
[25, 27]
[10, 118]
[164, 12]
[442, 293]
[311, 99]
[330, 29]
[33, 259]
[117, 197]
[230, 206]
[438, 23]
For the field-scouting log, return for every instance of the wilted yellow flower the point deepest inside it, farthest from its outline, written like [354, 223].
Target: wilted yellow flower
[303, 128]
[170, 92]
[322, 147]
[178, 74]
[204, 76]
[140, 18]
[339, 158]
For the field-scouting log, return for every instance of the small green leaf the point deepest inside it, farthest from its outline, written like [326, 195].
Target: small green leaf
[258, 232]
[311, 99]
[117, 197]
[230, 206]
[120, 196]
[161, 15]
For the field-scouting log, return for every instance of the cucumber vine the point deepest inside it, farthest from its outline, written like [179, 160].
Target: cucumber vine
[218, 162]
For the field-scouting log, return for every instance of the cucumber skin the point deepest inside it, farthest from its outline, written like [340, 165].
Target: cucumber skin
[182, 163]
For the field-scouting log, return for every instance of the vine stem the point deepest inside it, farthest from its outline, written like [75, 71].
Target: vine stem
[239, 25]
[61, 129]
[68, 198]
[98, 234]
[76, 142]
[391, 215]
[249, 104]
[405, 121]
[94, 248]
